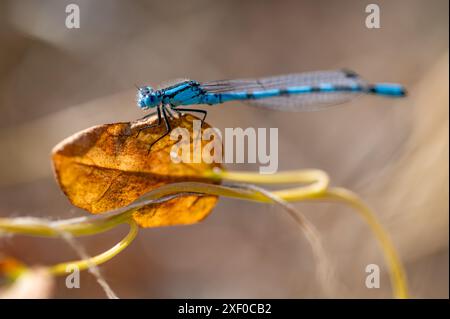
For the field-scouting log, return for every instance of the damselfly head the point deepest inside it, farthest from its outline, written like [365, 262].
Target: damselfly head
[147, 97]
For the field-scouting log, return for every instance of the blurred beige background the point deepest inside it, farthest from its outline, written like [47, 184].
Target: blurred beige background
[55, 82]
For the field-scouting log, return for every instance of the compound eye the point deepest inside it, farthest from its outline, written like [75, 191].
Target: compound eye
[146, 90]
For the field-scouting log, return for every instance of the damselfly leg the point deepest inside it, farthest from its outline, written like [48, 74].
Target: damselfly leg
[171, 114]
[158, 111]
[205, 113]
[168, 127]
[164, 114]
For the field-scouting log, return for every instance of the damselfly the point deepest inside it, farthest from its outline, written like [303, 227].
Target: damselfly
[293, 92]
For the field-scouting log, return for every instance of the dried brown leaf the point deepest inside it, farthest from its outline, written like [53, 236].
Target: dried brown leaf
[108, 166]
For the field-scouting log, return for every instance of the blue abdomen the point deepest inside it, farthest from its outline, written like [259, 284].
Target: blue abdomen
[388, 89]
[217, 98]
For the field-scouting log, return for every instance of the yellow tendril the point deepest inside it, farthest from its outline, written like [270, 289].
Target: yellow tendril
[318, 190]
[315, 188]
[61, 269]
[397, 272]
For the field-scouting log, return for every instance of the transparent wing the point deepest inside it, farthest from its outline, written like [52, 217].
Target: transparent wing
[294, 102]
[304, 102]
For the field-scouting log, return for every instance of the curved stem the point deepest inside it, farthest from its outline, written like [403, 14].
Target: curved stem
[397, 272]
[316, 190]
[61, 269]
[318, 181]
[77, 226]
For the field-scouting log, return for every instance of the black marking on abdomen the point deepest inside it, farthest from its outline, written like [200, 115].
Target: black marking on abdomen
[350, 74]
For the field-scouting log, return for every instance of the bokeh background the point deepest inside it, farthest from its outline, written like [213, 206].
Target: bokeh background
[56, 81]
